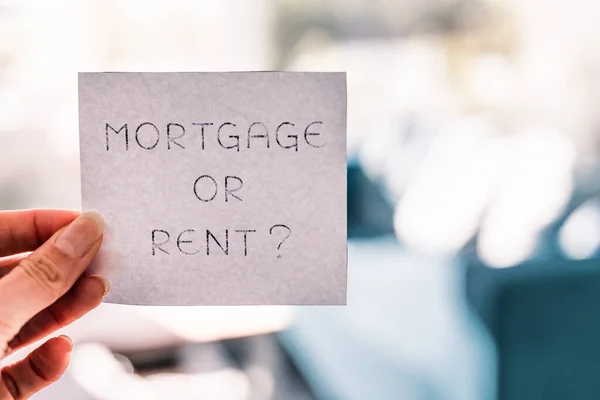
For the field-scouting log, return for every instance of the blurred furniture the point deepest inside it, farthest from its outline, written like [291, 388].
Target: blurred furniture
[543, 318]
[369, 212]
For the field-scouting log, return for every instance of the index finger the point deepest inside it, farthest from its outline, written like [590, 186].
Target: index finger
[26, 230]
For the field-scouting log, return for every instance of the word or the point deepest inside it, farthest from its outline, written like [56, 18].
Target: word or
[208, 194]
[228, 135]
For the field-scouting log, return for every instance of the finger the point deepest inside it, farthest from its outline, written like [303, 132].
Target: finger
[42, 367]
[26, 230]
[85, 295]
[11, 261]
[48, 273]
[8, 263]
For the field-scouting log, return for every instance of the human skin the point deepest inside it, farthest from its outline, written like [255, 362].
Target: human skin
[43, 287]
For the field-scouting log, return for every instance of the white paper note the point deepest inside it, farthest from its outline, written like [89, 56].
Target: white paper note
[217, 188]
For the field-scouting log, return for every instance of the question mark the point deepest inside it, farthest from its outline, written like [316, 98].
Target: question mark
[289, 232]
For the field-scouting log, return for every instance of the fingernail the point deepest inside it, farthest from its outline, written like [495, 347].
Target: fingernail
[68, 339]
[14, 343]
[79, 237]
[104, 283]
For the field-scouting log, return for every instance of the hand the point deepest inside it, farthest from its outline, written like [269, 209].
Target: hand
[43, 291]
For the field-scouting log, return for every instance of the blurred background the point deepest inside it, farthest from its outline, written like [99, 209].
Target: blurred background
[473, 195]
